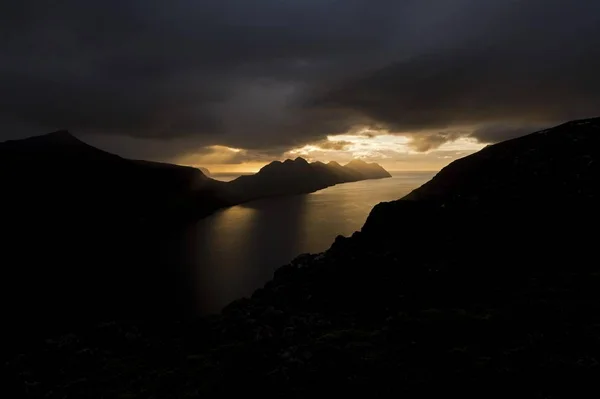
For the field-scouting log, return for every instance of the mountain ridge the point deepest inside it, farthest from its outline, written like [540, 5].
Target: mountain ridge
[46, 149]
[447, 291]
[298, 176]
[72, 202]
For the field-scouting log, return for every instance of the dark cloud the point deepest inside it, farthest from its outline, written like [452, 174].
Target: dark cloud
[536, 68]
[338, 145]
[269, 75]
[496, 133]
[422, 142]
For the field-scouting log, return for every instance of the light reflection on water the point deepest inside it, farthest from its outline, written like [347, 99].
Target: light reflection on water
[236, 250]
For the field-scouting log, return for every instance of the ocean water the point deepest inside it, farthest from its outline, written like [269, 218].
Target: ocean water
[236, 250]
[227, 176]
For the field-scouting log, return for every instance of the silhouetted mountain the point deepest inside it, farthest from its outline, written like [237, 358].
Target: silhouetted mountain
[78, 228]
[57, 171]
[344, 173]
[481, 283]
[205, 171]
[298, 176]
[369, 170]
[80, 224]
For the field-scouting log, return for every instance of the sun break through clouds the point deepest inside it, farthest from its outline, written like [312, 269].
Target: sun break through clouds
[184, 80]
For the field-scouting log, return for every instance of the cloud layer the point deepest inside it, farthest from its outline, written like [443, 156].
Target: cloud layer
[271, 75]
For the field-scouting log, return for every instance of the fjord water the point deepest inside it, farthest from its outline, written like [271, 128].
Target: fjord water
[236, 250]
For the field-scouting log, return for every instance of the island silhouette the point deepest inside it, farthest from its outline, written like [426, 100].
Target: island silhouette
[299, 176]
[69, 172]
[79, 222]
[481, 282]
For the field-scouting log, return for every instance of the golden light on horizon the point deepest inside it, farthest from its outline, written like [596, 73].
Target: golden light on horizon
[306, 150]
[241, 168]
[394, 152]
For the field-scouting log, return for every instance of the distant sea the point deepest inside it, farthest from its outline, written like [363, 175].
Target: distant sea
[236, 250]
[228, 176]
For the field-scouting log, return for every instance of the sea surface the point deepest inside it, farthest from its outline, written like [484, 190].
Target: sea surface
[236, 250]
[227, 176]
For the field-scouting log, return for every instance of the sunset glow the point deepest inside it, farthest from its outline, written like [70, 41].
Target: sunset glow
[393, 152]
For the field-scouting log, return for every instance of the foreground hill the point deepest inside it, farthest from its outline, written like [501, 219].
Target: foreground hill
[299, 176]
[481, 283]
[57, 173]
[82, 229]
[78, 229]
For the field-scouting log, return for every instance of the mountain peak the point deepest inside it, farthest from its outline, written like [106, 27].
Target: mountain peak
[61, 136]
[533, 165]
[59, 143]
[59, 133]
[297, 161]
[357, 162]
[373, 170]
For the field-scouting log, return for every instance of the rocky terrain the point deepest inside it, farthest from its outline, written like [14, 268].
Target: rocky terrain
[78, 227]
[481, 283]
[87, 235]
[57, 173]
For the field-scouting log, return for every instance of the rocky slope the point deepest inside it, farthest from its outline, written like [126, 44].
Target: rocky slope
[57, 173]
[482, 283]
[83, 230]
[78, 229]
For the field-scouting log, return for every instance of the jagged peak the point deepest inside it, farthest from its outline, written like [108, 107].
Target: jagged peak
[298, 160]
[270, 166]
[56, 139]
[357, 162]
[273, 163]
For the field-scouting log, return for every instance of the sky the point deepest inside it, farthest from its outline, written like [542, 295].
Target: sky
[234, 84]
